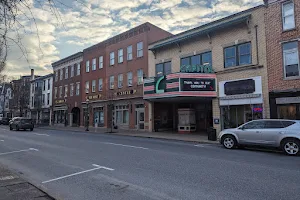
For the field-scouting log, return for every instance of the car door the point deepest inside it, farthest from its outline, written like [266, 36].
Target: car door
[250, 133]
[272, 132]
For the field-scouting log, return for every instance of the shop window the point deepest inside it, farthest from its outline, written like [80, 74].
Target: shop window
[291, 59]
[163, 69]
[237, 55]
[125, 117]
[289, 111]
[288, 15]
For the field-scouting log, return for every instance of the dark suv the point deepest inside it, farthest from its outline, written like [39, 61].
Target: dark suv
[4, 121]
[18, 123]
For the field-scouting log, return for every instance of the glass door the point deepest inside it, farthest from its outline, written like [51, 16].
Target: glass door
[141, 119]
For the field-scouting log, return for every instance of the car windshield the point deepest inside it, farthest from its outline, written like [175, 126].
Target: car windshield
[26, 120]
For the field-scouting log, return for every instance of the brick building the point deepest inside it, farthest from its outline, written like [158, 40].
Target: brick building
[113, 72]
[212, 75]
[283, 35]
[67, 90]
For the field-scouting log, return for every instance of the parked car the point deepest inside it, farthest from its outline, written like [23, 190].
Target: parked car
[283, 134]
[4, 120]
[19, 123]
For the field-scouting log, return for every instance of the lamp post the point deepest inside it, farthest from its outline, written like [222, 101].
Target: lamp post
[87, 118]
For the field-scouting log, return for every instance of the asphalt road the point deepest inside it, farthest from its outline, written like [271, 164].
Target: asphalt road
[84, 166]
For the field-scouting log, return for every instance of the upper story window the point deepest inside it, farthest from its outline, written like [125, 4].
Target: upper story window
[87, 66]
[87, 87]
[72, 71]
[112, 58]
[100, 62]
[139, 49]
[140, 76]
[60, 91]
[66, 90]
[291, 59]
[120, 80]
[44, 85]
[237, 55]
[111, 82]
[32, 87]
[288, 15]
[93, 85]
[200, 59]
[129, 79]
[56, 76]
[78, 69]
[61, 74]
[66, 72]
[55, 92]
[71, 90]
[129, 52]
[163, 69]
[100, 86]
[48, 98]
[120, 55]
[77, 89]
[94, 64]
[49, 83]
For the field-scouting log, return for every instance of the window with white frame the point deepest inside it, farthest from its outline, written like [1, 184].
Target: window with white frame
[94, 64]
[56, 75]
[120, 80]
[139, 49]
[66, 90]
[129, 78]
[93, 85]
[60, 91]
[129, 52]
[48, 98]
[71, 89]
[291, 59]
[55, 92]
[43, 99]
[66, 72]
[87, 87]
[140, 76]
[120, 55]
[288, 15]
[72, 71]
[49, 83]
[100, 86]
[61, 74]
[112, 58]
[100, 62]
[122, 114]
[87, 66]
[77, 89]
[44, 85]
[111, 82]
[78, 69]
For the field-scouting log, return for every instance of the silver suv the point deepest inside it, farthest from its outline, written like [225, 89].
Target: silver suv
[284, 134]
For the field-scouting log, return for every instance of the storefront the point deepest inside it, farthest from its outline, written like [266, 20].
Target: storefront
[182, 102]
[98, 119]
[240, 101]
[60, 112]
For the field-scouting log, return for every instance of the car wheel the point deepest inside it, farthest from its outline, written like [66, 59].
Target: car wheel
[291, 147]
[10, 128]
[31, 129]
[229, 141]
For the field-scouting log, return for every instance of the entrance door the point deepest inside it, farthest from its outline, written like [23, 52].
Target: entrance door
[140, 119]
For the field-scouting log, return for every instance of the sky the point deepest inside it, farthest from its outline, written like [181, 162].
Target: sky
[49, 33]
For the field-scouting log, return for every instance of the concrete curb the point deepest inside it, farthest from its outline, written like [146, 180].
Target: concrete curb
[138, 136]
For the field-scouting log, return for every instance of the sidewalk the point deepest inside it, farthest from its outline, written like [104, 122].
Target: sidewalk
[198, 138]
[12, 187]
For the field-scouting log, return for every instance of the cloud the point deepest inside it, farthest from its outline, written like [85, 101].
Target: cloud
[76, 25]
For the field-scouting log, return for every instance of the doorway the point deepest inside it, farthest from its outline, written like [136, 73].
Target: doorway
[140, 117]
[76, 116]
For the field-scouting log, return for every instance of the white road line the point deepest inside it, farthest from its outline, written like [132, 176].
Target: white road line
[24, 150]
[203, 145]
[123, 145]
[1, 140]
[78, 173]
[41, 134]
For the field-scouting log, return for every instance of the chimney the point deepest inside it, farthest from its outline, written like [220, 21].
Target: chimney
[32, 74]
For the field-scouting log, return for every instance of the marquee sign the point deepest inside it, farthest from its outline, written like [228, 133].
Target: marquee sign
[207, 69]
[198, 84]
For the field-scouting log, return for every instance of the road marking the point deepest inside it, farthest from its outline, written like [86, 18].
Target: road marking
[203, 145]
[7, 178]
[41, 134]
[1, 140]
[97, 167]
[123, 145]
[24, 150]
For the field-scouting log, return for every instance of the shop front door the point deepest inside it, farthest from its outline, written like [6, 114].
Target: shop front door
[140, 119]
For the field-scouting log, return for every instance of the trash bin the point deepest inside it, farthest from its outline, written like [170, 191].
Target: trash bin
[212, 134]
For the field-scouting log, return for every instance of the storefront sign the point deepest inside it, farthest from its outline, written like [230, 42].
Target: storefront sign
[287, 100]
[59, 101]
[129, 92]
[239, 87]
[257, 109]
[196, 69]
[197, 84]
[98, 96]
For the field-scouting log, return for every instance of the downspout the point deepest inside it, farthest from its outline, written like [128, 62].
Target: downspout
[256, 40]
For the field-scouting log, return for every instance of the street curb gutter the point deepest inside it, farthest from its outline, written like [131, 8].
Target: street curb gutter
[138, 136]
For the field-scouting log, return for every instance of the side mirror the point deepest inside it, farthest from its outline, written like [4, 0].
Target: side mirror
[242, 127]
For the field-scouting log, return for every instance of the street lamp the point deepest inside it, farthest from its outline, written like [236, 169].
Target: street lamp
[87, 118]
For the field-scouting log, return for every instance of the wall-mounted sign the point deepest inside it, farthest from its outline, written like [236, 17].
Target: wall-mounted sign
[216, 121]
[160, 85]
[198, 84]
[239, 87]
[196, 69]
[128, 92]
[257, 109]
[98, 96]
[59, 101]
